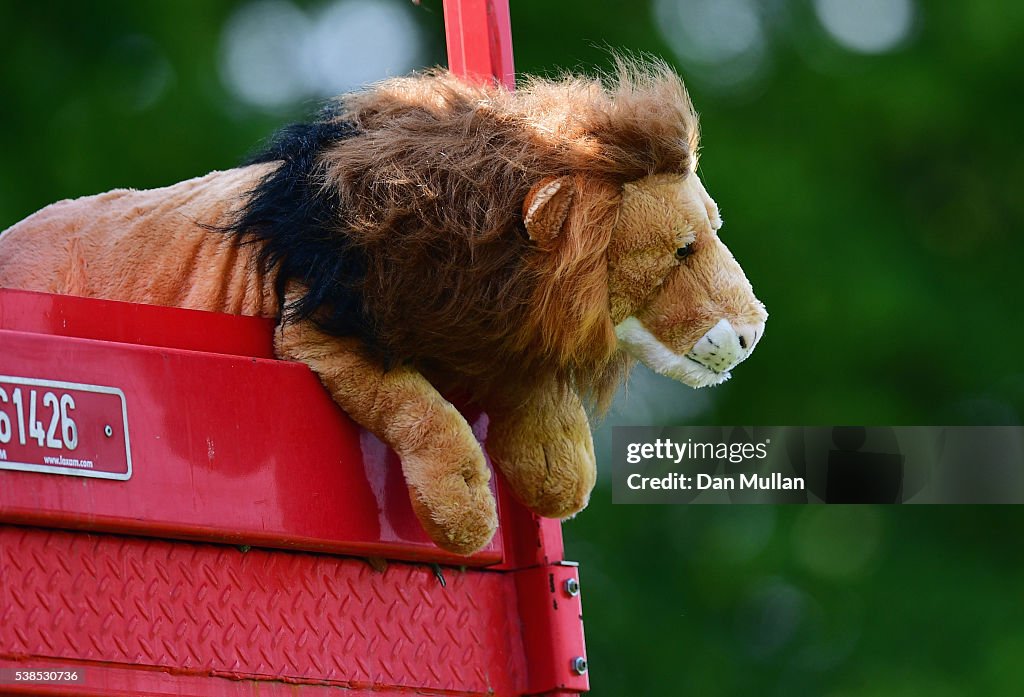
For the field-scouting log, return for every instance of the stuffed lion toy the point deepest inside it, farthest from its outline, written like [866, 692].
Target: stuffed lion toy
[425, 236]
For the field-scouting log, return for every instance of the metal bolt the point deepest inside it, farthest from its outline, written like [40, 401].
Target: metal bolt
[579, 665]
[572, 587]
[108, 431]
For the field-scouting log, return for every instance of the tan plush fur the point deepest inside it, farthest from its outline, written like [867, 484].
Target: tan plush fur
[142, 246]
[505, 235]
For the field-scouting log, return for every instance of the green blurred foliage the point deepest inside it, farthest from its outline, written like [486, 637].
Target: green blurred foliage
[874, 201]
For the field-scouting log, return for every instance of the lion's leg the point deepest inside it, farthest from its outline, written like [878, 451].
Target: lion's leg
[442, 461]
[544, 447]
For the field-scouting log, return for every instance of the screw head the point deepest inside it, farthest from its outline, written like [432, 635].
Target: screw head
[108, 431]
[572, 587]
[579, 665]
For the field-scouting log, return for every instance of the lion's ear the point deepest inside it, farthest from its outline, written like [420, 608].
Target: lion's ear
[546, 208]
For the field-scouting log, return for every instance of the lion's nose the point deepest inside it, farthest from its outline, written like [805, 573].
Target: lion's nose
[748, 335]
[726, 344]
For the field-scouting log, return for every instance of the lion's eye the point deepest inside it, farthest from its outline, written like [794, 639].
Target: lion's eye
[684, 252]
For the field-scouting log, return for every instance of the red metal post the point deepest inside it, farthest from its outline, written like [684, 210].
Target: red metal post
[479, 34]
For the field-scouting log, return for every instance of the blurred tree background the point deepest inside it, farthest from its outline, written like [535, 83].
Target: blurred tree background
[866, 160]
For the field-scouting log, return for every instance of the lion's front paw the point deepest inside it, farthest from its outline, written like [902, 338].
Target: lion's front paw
[550, 467]
[451, 497]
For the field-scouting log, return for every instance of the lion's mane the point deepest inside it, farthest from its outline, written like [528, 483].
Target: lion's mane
[398, 212]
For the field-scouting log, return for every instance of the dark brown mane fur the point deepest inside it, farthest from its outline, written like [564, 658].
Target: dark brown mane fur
[429, 192]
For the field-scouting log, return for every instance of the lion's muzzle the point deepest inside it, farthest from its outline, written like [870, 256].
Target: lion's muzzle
[718, 351]
[725, 345]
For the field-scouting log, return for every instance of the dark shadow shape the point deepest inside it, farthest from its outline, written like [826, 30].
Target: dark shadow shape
[856, 477]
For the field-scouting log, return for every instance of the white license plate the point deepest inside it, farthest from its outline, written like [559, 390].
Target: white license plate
[68, 428]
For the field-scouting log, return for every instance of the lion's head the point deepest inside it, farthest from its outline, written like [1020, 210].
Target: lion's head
[677, 298]
[492, 237]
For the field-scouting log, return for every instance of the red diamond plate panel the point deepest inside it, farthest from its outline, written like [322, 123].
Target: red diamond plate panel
[207, 610]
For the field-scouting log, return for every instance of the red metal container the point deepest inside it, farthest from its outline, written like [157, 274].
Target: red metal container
[214, 549]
